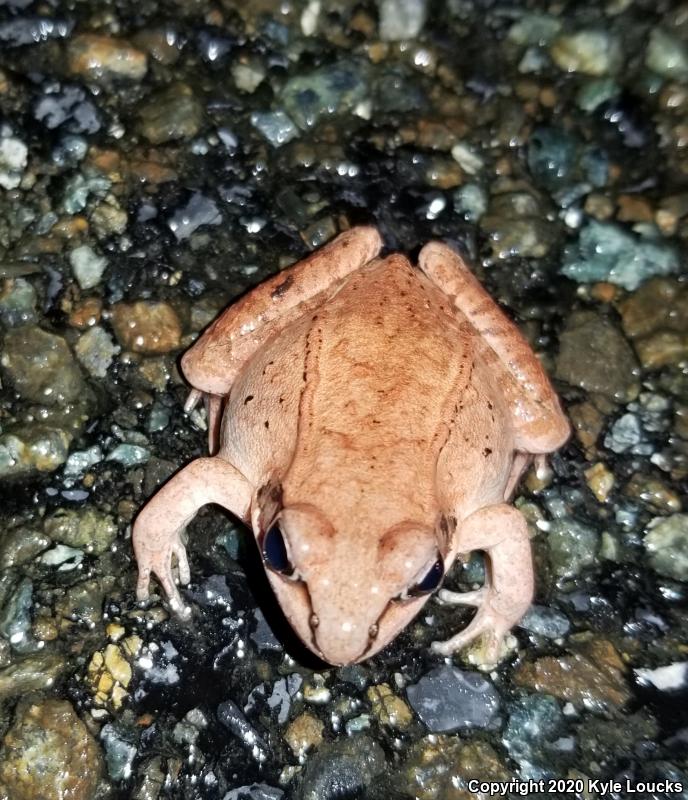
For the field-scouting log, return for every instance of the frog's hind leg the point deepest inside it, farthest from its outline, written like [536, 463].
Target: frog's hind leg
[157, 530]
[502, 533]
[214, 361]
[540, 424]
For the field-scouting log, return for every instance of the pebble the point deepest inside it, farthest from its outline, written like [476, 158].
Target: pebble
[171, 114]
[518, 226]
[401, 19]
[534, 724]
[332, 89]
[87, 529]
[667, 55]
[67, 107]
[600, 480]
[40, 366]
[449, 699]
[470, 202]
[96, 351]
[546, 622]
[255, 791]
[87, 265]
[146, 327]
[129, 455]
[17, 303]
[437, 765]
[33, 448]
[594, 93]
[666, 542]
[388, 708]
[13, 160]
[591, 52]
[342, 768]
[594, 679]
[20, 545]
[303, 734]
[625, 434]
[65, 759]
[120, 751]
[595, 356]
[101, 58]
[607, 252]
[655, 317]
[572, 547]
[534, 28]
[83, 186]
[199, 210]
[276, 126]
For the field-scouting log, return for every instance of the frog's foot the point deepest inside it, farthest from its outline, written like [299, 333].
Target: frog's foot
[157, 530]
[492, 627]
[159, 562]
[502, 532]
[214, 405]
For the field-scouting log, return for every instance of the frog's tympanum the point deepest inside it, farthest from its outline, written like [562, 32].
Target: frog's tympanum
[370, 421]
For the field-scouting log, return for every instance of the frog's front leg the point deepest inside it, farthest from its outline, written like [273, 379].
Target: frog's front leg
[501, 531]
[157, 530]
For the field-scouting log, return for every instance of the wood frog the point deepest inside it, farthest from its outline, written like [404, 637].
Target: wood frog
[370, 421]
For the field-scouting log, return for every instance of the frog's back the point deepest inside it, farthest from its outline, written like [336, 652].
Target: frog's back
[387, 362]
[368, 387]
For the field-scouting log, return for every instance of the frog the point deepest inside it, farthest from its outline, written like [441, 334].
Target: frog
[369, 420]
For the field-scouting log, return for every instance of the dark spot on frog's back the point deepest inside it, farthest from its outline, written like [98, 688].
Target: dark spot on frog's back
[248, 398]
[281, 289]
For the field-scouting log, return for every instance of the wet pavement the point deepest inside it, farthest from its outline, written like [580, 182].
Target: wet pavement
[158, 159]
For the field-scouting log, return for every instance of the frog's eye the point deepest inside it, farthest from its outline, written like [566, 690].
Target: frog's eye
[429, 582]
[275, 553]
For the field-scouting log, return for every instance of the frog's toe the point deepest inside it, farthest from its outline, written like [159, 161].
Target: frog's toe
[449, 598]
[182, 563]
[142, 584]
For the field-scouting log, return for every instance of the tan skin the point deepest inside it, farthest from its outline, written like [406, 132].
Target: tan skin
[370, 421]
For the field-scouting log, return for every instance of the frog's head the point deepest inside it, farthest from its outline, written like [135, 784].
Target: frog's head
[346, 591]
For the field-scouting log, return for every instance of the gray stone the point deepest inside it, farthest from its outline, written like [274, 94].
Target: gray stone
[572, 546]
[87, 265]
[450, 699]
[17, 303]
[13, 160]
[343, 768]
[667, 545]
[199, 210]
[275, 126]
[170, 114]
[333, 89]
[606, 252]
[256, 791]
[667, 55]
[85, 529]
[401, 19]
[592, 52]
[594, 355]
[534, 724]
[40, 366]
[544, 621]
[96, 351]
